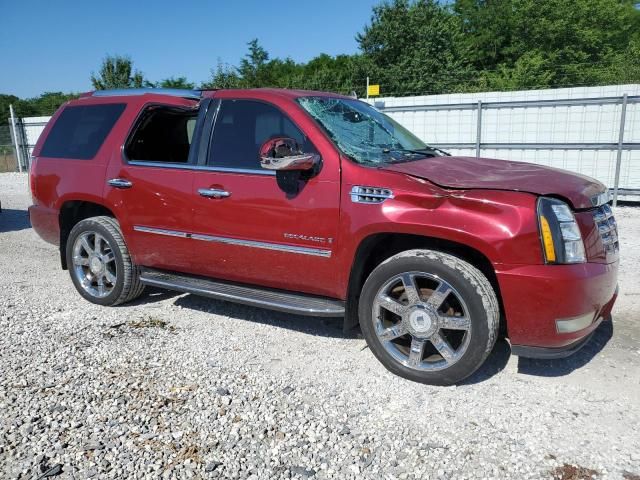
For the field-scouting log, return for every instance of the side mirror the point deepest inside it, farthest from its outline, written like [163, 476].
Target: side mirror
[284, 154]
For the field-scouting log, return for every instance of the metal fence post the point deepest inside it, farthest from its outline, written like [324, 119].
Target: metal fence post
[15, 138]
[479, 129]
[623, 116]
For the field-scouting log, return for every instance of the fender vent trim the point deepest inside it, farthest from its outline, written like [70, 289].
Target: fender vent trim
[371, 195]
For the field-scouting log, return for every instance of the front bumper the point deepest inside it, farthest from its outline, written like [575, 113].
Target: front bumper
[540, 301]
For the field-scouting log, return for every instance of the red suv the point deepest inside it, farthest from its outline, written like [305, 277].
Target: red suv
[318, 204]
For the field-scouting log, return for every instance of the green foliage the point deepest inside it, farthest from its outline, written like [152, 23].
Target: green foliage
[176, 82]
[426, 46]
[429, 46]
[44, 105]
[117, 72]
[415, 47]
[551, 43]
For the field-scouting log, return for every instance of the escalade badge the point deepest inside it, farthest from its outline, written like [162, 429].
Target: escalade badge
[308, 238]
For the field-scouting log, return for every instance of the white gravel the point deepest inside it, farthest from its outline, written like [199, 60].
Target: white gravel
[175, 386]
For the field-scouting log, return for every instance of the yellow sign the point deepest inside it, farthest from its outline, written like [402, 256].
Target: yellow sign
[373, 90]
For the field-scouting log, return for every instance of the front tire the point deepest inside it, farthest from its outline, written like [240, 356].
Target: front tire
[429, 316]
[99, 262]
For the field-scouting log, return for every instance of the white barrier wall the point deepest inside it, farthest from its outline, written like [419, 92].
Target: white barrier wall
[581, 124]
[33, 127]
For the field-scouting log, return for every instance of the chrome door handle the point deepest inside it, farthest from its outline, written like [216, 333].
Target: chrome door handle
[120, 183]
[213, 193]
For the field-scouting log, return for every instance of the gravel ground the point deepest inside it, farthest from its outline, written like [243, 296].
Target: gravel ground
[175, 386]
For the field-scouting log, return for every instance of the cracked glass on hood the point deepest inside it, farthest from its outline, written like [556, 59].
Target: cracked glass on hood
[363, 133]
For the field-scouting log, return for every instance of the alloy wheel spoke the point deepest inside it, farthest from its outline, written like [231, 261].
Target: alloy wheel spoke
[392, 333]
[455, 323]
[80, 260]
[109, 277]
[86, 246]
[87, 280]
[416, 351]
[439, 295]
[97, 241]
[390, 304]
[101, 288]
[408, 281]
[108, 257]
[442, 345]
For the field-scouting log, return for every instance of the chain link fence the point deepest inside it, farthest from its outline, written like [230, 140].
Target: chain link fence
[8, 161]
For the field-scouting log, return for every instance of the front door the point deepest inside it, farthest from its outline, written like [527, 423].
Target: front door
[245, 227]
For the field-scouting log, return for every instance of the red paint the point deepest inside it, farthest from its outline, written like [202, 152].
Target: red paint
[462, 173]
[487, 205]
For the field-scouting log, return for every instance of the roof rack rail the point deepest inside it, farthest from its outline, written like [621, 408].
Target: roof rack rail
[174, 92]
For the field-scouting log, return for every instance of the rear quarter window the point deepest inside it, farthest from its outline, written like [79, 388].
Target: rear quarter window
[80, 131]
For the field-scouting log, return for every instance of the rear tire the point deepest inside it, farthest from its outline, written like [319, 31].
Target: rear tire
[429, 316]
[100, 264]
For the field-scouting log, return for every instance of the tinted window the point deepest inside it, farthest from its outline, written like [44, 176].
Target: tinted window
[80, 131]
[242, 127]
[162, 134]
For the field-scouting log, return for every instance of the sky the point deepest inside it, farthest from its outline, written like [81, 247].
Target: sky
[55, 45]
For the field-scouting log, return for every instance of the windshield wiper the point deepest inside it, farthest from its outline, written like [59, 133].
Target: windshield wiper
[430, 149]
[421, 153]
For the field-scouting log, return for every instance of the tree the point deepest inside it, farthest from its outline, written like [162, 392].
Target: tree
[49, 102]
[223, 76]
[117, 72]
[252, 63]
[415, 47]
[176, 82]
[43, 105]
[551, 43]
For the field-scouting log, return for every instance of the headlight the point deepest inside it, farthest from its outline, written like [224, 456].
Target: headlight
[559, 232]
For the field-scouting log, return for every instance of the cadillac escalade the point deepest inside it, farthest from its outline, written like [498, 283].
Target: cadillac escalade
[318, 204]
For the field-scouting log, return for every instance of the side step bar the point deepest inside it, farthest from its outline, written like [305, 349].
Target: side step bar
[282, 301]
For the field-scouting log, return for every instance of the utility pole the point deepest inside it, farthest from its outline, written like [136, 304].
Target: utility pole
[367, 88]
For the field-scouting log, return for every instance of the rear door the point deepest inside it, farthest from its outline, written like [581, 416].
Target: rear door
[254, 232]
[150, 186]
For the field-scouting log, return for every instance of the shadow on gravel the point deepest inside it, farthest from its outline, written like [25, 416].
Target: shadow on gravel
[13, 220]
[324, 327]
[152, 295]
[494, 364]
[564, 366]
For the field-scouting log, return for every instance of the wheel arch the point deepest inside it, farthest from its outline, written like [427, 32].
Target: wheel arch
[72, 212]
[377, 247]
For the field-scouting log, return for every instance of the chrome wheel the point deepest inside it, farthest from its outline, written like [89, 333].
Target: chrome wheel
[94, 264]
[421, 321]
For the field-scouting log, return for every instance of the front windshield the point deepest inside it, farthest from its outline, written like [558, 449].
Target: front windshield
[365, 134]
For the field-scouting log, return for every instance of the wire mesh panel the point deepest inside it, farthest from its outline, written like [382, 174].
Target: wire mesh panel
[7, 156]
[576, 129]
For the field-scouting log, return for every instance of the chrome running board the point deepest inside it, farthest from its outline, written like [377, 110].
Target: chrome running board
[298, 303]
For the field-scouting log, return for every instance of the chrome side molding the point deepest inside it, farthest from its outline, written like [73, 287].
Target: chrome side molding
[318, 252]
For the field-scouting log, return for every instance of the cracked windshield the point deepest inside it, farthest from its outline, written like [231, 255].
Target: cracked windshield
[365, 134]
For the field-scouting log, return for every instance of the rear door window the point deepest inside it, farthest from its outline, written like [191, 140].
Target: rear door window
[162, 134]
[80, 131]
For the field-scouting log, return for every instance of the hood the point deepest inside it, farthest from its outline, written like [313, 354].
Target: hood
[486, 173]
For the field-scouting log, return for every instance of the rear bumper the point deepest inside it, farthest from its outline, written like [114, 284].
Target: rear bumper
[552, 309]
[45, 222]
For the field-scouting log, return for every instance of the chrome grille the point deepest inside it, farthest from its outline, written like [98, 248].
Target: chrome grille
[607, 228]
[370, 194]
